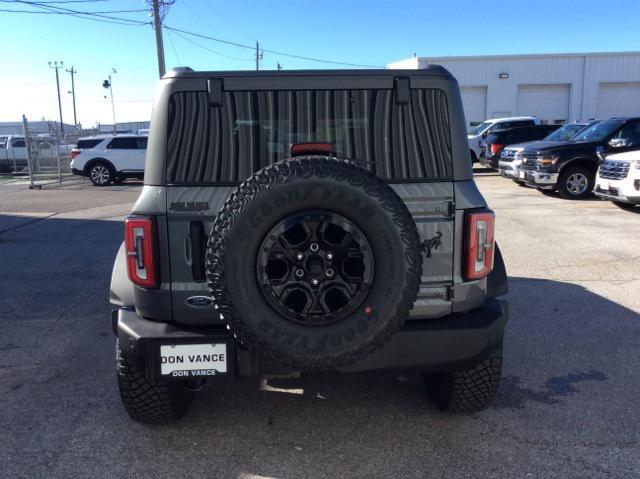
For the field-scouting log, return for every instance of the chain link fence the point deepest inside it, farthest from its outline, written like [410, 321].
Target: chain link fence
[45, 158]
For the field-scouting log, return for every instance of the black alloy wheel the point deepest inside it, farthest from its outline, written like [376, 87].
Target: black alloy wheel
[315, 267]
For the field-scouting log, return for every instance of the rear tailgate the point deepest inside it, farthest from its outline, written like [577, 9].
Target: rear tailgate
[433, 210]
[190, 214]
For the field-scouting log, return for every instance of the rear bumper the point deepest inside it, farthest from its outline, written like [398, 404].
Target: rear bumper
[76, 171]
[458, 341]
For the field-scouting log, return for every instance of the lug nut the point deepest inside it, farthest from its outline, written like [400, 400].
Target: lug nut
[315, 281]
[300, 256]
[329, 256]
[314, 247]
[299, 273]
[329, 272]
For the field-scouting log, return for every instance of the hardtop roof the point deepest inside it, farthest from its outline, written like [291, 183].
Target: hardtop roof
[186, 72]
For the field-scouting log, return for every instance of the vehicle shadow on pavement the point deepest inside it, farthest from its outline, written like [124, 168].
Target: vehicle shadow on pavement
[571, 363]
[556, 195]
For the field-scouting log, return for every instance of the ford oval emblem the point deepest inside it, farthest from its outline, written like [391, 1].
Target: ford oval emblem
[199, 301]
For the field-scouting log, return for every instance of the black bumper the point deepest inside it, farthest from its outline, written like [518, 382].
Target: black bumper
[76, 171]
[457, 341]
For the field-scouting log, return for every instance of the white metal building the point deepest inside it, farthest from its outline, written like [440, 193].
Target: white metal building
[552, 87]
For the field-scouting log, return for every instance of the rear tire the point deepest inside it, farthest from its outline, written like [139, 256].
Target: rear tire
[474, 158]
[149, 402]
[469, 390]
[575, 183]
[101, 173]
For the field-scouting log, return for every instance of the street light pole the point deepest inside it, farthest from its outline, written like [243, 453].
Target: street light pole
[73, 94]
[109, 84]
[55, 66]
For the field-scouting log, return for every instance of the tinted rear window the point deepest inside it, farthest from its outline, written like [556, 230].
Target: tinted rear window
[128, 143]
[85, 144]
[253, 129]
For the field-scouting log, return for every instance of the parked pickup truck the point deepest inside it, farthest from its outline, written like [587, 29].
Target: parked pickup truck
[511, 156]
[13, 153]
[570, 168]
[493, 144]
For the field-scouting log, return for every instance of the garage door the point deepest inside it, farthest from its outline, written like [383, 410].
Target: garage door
[618, 99]
[474, 101]
[547, 102]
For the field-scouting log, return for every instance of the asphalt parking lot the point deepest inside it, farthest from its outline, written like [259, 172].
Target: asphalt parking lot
[567, 406]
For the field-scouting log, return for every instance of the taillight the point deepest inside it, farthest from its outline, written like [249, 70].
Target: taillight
[75, 152]
[140, 245]
[479, 244]
[495, 148]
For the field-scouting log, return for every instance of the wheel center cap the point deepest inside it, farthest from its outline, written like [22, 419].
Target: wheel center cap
[315, 265]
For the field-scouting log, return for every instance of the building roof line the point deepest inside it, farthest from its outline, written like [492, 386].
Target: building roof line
[523, 55]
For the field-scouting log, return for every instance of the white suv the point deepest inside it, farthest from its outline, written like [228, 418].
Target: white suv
[618, 178]
[477, 133]
[106, 159]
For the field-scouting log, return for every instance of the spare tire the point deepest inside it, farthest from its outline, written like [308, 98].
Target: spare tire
[314, 262]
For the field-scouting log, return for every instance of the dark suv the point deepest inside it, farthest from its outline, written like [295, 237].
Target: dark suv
[570, 168]
[304, 221]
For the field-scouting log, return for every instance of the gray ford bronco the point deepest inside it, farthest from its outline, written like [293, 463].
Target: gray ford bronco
[303, 221]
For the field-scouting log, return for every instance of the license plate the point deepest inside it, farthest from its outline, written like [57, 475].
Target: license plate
[521, 174]
[193, 360]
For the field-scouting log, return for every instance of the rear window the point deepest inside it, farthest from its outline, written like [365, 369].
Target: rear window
[128, 143]
[86, 144]
[253, 129]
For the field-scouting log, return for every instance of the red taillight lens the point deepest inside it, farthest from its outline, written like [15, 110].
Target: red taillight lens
[479, 244]
[75, 153]
[140, 245]
[311, 148]
[495, 148]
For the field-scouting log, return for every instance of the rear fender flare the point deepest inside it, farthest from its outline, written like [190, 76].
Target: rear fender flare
[121, 290]
[497, 284]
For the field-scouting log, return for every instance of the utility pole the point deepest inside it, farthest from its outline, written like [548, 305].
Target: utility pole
[73, 94]
[258, 56]
[108, 84]
[55, 66]
[157, 25]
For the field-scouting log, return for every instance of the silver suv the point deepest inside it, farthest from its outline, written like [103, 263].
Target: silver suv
[304, 221]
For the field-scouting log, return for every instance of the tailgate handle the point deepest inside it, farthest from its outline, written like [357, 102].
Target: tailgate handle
[198, 244]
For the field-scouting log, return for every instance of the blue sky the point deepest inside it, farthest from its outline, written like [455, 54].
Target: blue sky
[352, 31]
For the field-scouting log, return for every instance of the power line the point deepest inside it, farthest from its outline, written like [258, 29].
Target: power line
[84, 15]
[219, 40]
[65, 1]
[184, 37]
[275, 52]
[65, 13]
[175, 52]
[211, 5]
